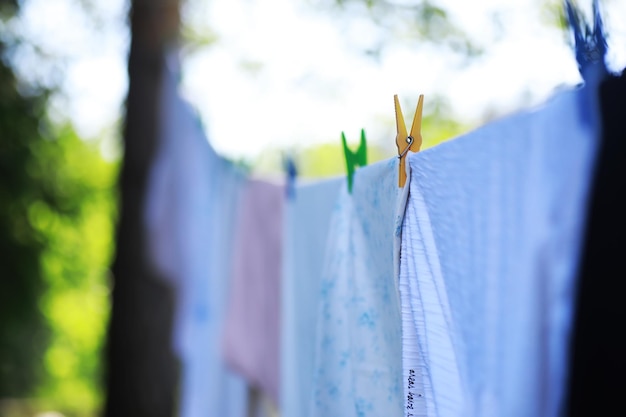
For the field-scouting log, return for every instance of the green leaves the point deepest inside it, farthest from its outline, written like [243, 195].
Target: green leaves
[77, 222]
[57, 210]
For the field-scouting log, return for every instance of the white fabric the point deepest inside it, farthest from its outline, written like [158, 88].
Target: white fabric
[358, 365]
[490, 243]
[307, 222]
[189, 217]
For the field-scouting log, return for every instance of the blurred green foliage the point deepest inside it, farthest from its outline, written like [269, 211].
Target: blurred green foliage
[23, 329]
[75, 268]
[57, 207]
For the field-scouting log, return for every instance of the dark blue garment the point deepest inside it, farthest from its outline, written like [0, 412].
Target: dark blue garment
[598, 350]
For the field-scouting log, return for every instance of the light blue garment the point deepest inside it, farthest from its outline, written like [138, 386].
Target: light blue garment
[189, 218]
[358, 367]
[307, 220]
[490, 244]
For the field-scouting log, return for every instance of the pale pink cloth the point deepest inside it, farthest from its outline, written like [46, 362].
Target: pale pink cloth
[251, 341]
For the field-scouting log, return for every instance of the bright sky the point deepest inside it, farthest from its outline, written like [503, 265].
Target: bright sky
[284, 75]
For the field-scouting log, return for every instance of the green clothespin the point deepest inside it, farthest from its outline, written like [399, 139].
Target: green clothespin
[354, 159]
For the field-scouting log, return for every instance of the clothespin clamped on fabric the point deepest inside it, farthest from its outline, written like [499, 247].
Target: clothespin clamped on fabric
[589, 41]
[292, 172]
[354, 159]
[407, 142]
[591, 48]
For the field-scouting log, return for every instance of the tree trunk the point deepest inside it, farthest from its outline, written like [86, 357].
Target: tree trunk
[141, 368]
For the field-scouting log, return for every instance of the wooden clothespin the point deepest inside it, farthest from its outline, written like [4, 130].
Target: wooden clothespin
[404, 141]
[354, 159]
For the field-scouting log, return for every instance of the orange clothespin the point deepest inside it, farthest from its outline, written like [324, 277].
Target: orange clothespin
[404, 141]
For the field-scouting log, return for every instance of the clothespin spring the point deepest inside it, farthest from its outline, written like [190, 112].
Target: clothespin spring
[409, 142]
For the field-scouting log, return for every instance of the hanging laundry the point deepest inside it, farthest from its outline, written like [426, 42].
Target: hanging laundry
[251, 341]
[307, 220]
[598, 363]
[490, 244]
[189, 217]
[358, 368]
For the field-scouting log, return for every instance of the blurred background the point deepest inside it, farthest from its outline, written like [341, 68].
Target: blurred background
[78, 82]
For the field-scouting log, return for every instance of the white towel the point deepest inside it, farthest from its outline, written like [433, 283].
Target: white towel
[490, 244]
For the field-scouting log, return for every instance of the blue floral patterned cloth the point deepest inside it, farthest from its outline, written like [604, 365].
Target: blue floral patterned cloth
[358, 366]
